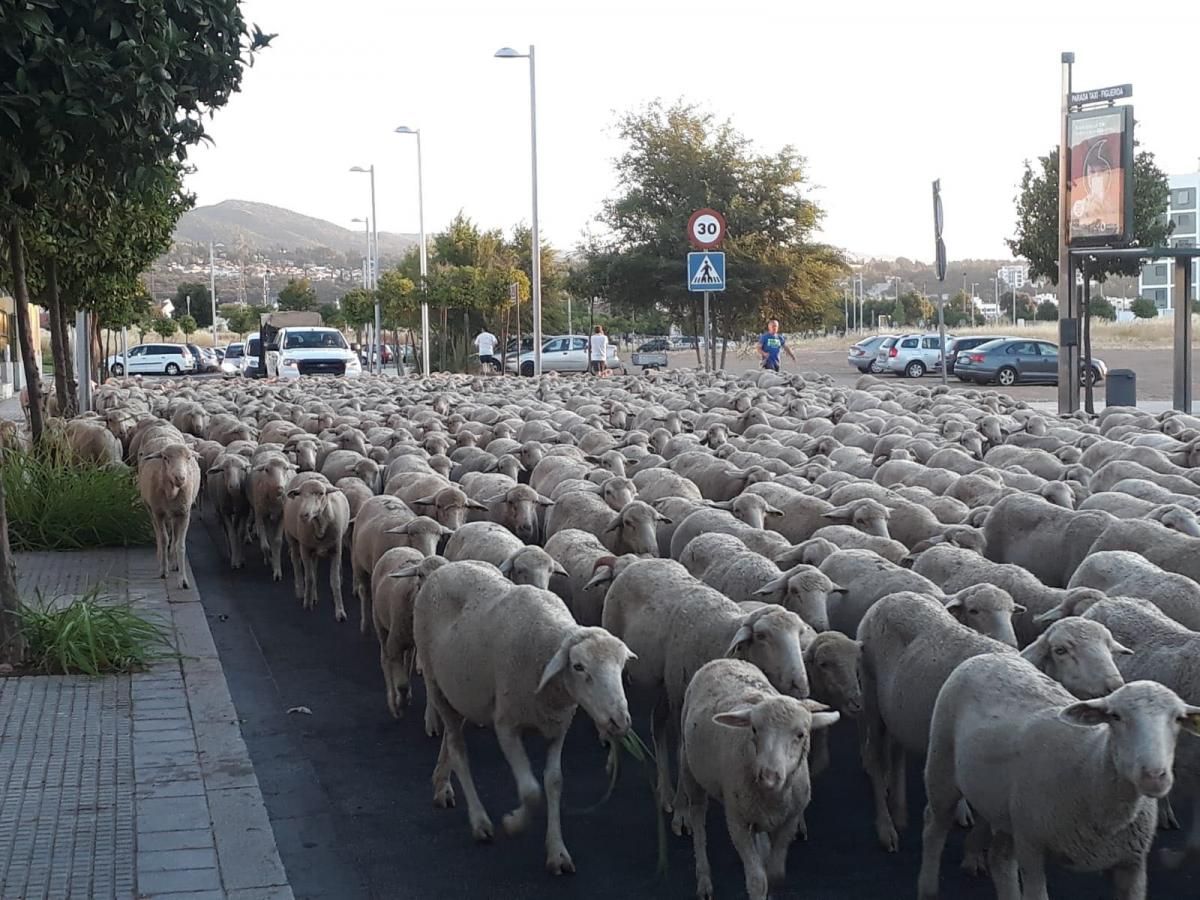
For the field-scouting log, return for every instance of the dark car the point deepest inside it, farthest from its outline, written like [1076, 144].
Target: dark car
[1019, 361]
[204, 363]
[969, 342]
[655, 345]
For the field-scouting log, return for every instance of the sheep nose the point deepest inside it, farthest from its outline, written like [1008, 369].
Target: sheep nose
[769, 778]
[1112, 682]
[618, 725]
[1156, 782]
[853, 707]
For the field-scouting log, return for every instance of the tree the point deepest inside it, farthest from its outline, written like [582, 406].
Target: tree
[187, 325]
[1103, 309]
[1144, 308]
[680, 158]
[298, 294]
[1025, 307]
[1046, 311]
[200, 307]
[98, 95]
[164, 327]
[358, 309]
[898, 314]
[243, 319]
[331, 315]
[1037, 216]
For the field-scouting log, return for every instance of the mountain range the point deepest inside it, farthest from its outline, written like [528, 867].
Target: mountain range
[264, 227]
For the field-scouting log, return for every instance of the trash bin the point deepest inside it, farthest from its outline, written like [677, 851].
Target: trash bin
[1121, 388]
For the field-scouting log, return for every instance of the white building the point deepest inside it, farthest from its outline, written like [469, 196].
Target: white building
[1015, 276]
[1157, 279]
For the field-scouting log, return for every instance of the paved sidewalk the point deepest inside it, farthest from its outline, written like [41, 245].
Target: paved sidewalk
[133, 786]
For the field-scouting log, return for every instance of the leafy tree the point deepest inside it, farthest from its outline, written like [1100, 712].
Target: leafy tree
[898, 315]
[358, 309]
[1103, 309]
[1046, 312]
[243, 319]
[331, 315]
[187, 325]
[1025, 307]
[1144, 308]
[201, 303]
[680, 158]
[164, 326]
[1037, 216]
[298, 294]
[98, 95]
[398, 299]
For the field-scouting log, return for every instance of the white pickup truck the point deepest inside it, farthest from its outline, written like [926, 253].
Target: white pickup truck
[311, 350]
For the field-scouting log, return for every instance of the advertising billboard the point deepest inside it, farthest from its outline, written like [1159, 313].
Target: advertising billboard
[1100, 189]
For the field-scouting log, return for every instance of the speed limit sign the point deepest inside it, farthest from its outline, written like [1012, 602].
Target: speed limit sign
[706, 229]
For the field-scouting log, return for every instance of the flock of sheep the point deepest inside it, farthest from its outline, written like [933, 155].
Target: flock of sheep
[1011, 597]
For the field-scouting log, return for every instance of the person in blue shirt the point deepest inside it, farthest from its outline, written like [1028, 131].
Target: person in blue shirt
[769, 345]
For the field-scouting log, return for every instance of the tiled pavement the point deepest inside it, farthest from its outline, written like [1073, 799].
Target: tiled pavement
[130, 786]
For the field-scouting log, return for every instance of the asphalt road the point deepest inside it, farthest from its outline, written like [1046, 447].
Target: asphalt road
[348, 789]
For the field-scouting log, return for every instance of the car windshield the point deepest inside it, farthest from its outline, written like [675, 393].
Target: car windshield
[990, 345]
[253, 347]
[233, 351]
[310, 340]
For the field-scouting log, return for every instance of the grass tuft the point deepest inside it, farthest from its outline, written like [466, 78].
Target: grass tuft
[90, 636]
[56, 502]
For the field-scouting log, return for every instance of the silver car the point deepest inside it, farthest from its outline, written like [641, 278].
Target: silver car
[911, 355]
[562, 353]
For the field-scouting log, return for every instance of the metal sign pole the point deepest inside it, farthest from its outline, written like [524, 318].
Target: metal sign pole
[1068, 322]
[706, 365]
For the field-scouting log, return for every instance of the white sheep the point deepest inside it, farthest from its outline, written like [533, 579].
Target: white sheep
[863, 577]
[746, 745]
[578, 552]
[632, 530]
[514, 658]
[1046, 539]
[394, 583]
[315, 518]
[227, 485]
[1122, 573]
[266, 486]
[1049, 775]
[168, 481]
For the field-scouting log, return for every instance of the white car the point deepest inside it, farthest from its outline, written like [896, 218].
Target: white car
[153, 359]
[562, 353]
[310, 350]
[235, 357]
[250, 354]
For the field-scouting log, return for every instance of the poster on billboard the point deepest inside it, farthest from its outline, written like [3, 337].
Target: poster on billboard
[1100, 191]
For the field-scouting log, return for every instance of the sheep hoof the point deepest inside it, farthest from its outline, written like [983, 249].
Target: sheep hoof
[340, 616]
[679, 824]
[975, 864]
[443, 797]
[963, 815]
[560, 863]
[482, 830]
[704, 889]
[888, 838]
[516, 821]
[277, 576]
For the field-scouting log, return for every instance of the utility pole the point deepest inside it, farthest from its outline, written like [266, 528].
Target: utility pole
[1068, 356]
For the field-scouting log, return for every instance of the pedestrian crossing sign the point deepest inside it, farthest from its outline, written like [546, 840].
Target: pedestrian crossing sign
[706, 271]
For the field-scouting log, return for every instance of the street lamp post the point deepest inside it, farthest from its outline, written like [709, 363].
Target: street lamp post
[404, 129]
[366, 223]
[373, 267]
[536, 249]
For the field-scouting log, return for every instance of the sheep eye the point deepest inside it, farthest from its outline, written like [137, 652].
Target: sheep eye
[578, 667]
[1113, 717]
[1060, 651]
[972, 612]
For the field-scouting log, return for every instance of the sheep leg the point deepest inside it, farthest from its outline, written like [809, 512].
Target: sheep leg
[456, 746]
[275, 547]
[433, 724]
[362, 589]
[558, 860]
[265, 543]
[179, 537]
[679, 819]
[443, 791]
[744, 842]
[528, 790]
[818, 758]
[308, 565]
[1129, 882]
[297, 569]
[873, 743]
[397, 661]
[237, 557]
[230, 539]
[780, 841]
[1003, 866]
[1167, 821]
[160, 543]
[975, 850]
[697, 811]
[1032, 864]
[658, 733]
[335, 584]
[939, 817]
[898, 784]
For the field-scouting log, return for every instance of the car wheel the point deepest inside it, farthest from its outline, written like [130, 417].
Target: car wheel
[1006, 377]
[873, 368]
[1091, 370]
[915, 369]
[965, 380]
[172, 369]
[527, 369]
[117, 369]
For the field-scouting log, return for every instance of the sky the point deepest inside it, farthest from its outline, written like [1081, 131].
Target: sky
[880, 97]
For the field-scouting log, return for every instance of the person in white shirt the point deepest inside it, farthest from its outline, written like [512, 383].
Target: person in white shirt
[485, 344]
[599, 351]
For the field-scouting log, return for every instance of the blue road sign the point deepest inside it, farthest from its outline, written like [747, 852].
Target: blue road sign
[706, 271]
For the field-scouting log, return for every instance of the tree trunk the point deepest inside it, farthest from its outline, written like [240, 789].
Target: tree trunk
[12, 641]
[724, 350]
[58, 349]
[445, 329]
[696, 328]
[33, 378]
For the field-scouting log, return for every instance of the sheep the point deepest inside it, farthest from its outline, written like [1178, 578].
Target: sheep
[716, 478]
[1112, 473]
[514, 506]
[315, 518]
[1031, 763]
[1046, 539]
[512, 657]
[1156, 493]
[577, 553]
[746, 744]
[168, 481]
[532, 566]
[395, 581]
[656, 483]
[847, 538]
[1167, 549]
[1122, 573]
[912, 642]
[864, 577]
[1123, 506]
[632, 530]
[342, 463]
[1166, 652]
[805, 590]
[93, 443]
[708, 549]
[804, 515]
[444, 502]
[227, 489]
[833, 663]
[482, 541]
[266, 486]
[740, 575]
[812, 552]
[675, 624]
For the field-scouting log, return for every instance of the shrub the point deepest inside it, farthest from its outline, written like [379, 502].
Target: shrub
[90, 636]
[58, 503]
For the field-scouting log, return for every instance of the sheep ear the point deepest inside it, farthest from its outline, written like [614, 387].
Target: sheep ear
[446, 532]
[1019, 610]
[719, 504]
[1119, 649]
[404, 572]
[603, 576]
[954, 603]
[659, 517]
[557, 569]
[736, 718]
[426, 501]
[1191, 720]
[399, 529]
[491, 467]
[743, 636]
[474, 504]
[506, 566]
[1087, 713]
[772, 511]
[771, 588]
[155, 455]
[557, 664]
[614, 525]
[824, 720]
[1053, 614]
[1037, 654]
[594, 460]
[544, 501]
[840, 514]
[215, 470]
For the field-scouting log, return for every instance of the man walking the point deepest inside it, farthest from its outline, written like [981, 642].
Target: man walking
[769, 345]
[598, 351]
[485, 344]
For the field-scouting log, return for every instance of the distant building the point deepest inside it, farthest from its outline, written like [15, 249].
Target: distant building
[1015, 276]
[1157, 278]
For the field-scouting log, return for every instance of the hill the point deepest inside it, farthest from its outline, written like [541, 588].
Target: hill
[264, 227]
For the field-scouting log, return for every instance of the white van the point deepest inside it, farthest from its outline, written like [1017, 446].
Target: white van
[154, 359]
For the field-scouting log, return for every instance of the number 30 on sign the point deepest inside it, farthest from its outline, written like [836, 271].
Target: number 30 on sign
[706, 229]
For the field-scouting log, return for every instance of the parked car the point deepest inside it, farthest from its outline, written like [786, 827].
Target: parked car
[1012, 361]
[205, 360]
[655, 345]
[154, 359]
[231, 363]
[911, 355]
[864, 355]
[686, 342]
[253, 354]
[562, 353]
[968, 342]
[308, 350]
